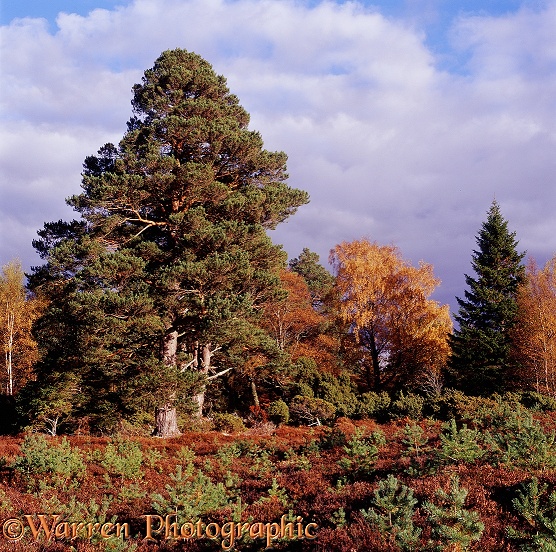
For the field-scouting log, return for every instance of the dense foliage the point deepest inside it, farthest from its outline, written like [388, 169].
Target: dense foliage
[158, 285]
[342, 399]
[477, 476]
[481, 346]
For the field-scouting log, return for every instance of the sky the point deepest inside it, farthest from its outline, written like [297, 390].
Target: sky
[403, 119]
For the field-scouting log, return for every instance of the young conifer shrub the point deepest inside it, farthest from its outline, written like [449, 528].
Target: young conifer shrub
[123, 458]
[40, 457]
[373, 405]
[228, 423]
[407, 405]
[453, 526]
[279, 412]
[537, 401]
[459, 445]
[361, 453]
[538, 508]
[392, 510]
[311, 411]
[190, 496]
[275, 493]
[520, 440]
[414, 439]
[75, 511]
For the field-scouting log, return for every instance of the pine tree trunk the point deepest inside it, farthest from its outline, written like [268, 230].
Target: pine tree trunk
[166, 421]
[166, 416]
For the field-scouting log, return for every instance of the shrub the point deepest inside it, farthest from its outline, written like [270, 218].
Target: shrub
[459, 445]
[191, 495]
[275, 493]
[538, 509]
[185, 455]
[361, 453]
[520, 440]
[374, 405]
[279, 412]
[314, 383]
[123, 458]
[5, 502]
[454, 527]
[41, 457]
[332, 438]
[75, 511]
[228, 423]
[538, 402]
[410, 406]
[415, 439]
[456, 404]
[306, 410]
[338, 391]
[392, 510]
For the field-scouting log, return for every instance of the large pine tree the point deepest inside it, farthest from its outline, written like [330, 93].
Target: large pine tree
[481, 346]
[170, 262]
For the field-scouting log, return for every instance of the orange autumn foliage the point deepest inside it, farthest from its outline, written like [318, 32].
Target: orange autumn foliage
[297, 327]
[399, 333]
[534, 337]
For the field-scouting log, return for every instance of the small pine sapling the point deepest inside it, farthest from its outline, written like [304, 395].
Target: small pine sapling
[361, 452]
[392, 509]
[538, 509]
[415, 439]
[459, 445]
[453, 525]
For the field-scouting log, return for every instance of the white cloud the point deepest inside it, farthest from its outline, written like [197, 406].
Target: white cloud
[387, 144]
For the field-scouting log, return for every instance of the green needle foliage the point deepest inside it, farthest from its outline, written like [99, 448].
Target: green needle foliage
[453, 525]
[319, 280]
[415, 439]
[459, 445]
[392, 509]
[538, 509]
[361, 453]
[41, 459]
[123, 459]
[160, 281]
[190, 496]
[481, 347]
[520, 440]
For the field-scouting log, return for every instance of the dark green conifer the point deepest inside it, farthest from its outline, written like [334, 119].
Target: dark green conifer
[169, 264]
[481, 346]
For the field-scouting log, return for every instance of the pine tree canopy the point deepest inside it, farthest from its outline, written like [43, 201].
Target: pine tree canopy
[170, 254]
[481, 346]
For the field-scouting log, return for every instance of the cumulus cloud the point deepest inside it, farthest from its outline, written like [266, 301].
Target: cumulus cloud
[388, 144]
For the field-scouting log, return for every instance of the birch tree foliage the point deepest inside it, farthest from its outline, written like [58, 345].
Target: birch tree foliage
[400, 333]
[534, 336]
[17, 312]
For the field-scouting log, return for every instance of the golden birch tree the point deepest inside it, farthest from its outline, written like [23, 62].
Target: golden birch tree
[534, 337]
[17, 313]
[399, 332]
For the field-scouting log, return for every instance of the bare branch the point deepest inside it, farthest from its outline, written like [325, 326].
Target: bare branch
[219, 374]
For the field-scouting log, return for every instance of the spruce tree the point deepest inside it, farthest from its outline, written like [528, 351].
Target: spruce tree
[165, 271]
[481, 346]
